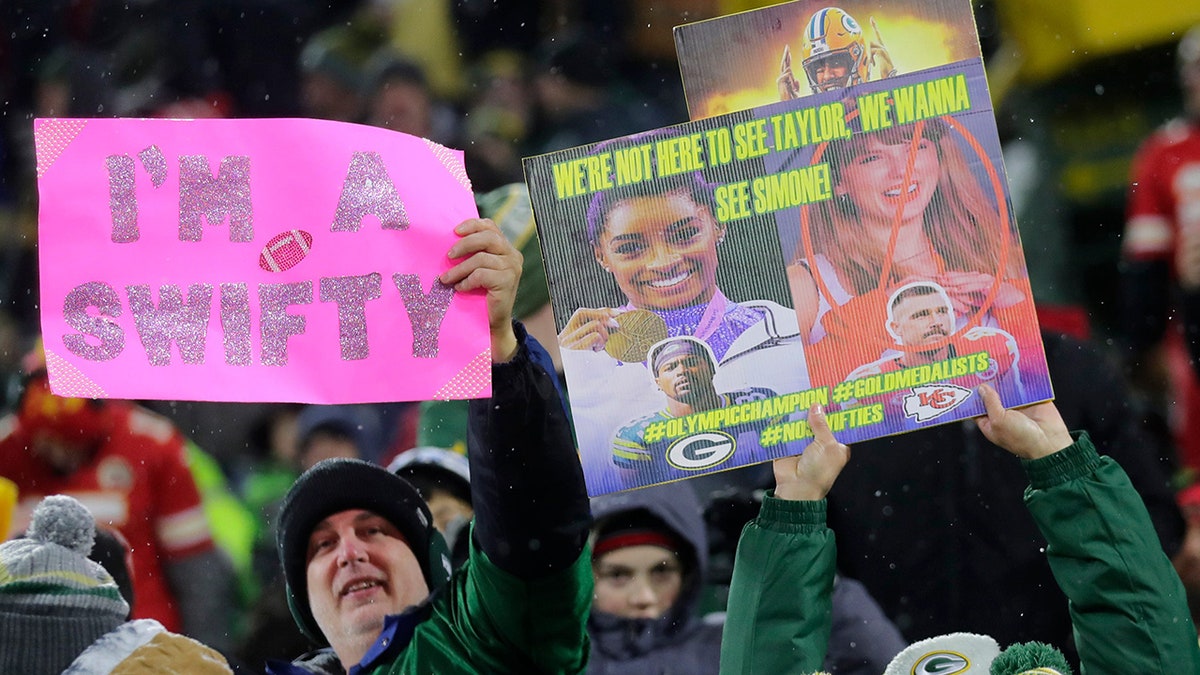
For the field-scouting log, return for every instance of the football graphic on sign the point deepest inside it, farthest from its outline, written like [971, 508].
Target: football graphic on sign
[285, 250]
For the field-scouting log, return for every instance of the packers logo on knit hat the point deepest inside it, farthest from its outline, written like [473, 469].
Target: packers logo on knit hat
[946, 655]
[942, 663]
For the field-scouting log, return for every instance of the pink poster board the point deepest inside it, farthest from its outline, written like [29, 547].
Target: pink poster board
[253, 260]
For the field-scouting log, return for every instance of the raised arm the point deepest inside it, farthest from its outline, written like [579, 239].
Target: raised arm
[532, 513]
[532, 586]
[780, 598]
[1127, 604]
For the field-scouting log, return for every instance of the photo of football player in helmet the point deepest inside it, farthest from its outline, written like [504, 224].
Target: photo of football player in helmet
[835, 54]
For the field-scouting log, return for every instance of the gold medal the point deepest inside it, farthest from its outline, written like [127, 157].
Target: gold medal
[639, 330]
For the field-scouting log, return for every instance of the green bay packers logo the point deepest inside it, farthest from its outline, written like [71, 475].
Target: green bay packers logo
[941, 663]
[700, 451]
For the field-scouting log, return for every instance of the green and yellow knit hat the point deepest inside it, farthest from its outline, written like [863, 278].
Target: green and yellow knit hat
[54, 601]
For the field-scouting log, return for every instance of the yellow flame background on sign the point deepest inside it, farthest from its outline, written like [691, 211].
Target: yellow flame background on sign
[914, 44]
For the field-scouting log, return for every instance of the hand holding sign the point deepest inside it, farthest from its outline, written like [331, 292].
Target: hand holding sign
[1029, 433]
[489, 262]
[810, 475]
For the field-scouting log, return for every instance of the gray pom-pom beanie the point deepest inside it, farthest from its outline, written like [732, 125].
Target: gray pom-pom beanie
[54, 601]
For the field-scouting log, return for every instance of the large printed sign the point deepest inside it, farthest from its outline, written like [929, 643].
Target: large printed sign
[253, 260]
[852, 247]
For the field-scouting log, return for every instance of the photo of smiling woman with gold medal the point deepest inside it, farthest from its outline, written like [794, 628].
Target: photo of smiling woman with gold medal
[660, 247]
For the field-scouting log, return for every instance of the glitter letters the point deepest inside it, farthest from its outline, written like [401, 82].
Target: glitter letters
[154, 163]
[235, 323]
[368, 190]
[277, 324]
[425, 312]
[122, 199]
[174, 320]
[203, 197]
[75, 312]
[351, 295]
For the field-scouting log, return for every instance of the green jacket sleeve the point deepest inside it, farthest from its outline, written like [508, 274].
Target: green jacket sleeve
[1127, 604]
[780, 599]
[520, 603]
[510, 616]
[489, 621]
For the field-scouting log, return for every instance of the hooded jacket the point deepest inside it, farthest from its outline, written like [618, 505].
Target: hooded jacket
[677, 642]
[862, 640]
[862, 643]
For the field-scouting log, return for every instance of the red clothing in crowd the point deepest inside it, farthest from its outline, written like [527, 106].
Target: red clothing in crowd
[137, 481]
[1163, 204]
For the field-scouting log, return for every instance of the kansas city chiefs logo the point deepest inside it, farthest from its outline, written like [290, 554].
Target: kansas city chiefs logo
[931, 400]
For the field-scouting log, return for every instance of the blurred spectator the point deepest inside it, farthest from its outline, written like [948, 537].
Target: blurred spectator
[1161, 261]
[579, 98]
[332, 71]
[424, 33]
[243, 54]
[129, 466]
[1161, 282]
[232, 524]
[497, 121]
[399, 98]
[268, 469]
[61, 611]
[443, 478]
[327, 431]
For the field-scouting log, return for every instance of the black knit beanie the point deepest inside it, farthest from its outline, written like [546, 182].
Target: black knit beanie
[336, 485]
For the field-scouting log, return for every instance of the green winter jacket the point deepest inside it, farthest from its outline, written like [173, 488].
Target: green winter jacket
[493, 616]
[1127, 604]
[780, 607]
[1128, 607]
